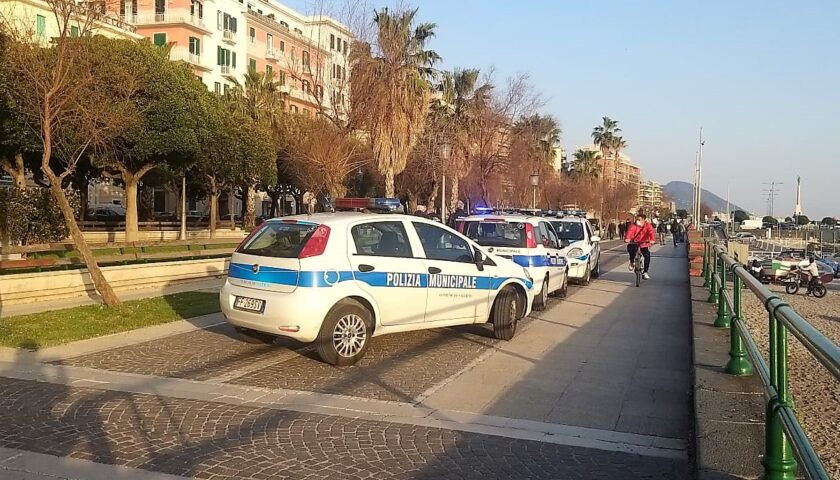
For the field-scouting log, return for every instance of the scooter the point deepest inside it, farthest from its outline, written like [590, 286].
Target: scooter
[801, 279]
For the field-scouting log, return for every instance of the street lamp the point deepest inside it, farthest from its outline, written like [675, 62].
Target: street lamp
[445, 151]
[535, 181]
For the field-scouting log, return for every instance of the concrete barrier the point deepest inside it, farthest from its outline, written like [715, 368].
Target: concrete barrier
[35, 287]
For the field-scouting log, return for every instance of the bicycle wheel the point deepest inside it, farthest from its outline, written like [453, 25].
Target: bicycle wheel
[638, 270]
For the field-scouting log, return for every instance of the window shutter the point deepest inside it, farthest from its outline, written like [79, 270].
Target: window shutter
[220, 58]
[233, 59]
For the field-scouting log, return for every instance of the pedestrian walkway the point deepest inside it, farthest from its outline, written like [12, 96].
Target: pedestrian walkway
[596, 386]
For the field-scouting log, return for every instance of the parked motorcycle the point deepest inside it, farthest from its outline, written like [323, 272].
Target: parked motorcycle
[799, 279]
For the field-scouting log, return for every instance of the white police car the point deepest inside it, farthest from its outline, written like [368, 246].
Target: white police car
[337, 279]
[580, 246]
[527, 240]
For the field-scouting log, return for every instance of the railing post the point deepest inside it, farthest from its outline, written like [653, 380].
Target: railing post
[705, 272]
[722, 320]
[739, 363]
[779, 462]
[713, 291]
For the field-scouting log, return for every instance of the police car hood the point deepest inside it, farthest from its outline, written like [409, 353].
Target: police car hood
[581, 244]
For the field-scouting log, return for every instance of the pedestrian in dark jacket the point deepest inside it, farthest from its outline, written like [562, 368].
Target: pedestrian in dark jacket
[421, 211]
[458, 214]
[611, 230]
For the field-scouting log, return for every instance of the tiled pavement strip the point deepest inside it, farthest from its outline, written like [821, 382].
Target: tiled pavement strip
[265, 448]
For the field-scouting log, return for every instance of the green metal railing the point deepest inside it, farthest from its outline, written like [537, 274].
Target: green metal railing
[785, 440]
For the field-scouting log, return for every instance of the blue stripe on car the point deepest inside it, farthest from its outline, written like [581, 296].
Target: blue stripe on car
[538, 261]
[283, 276]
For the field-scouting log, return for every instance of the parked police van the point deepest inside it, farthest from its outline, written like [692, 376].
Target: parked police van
[529, 241]
[338, 279]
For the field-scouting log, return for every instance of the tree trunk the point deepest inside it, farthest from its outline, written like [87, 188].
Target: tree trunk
[15, 170]
[214, 206]
[454, 194]
[389, 183]
[484, 195]
[84, 198]
[230, 209]
[100, 283]
[131, 227]
[250, 206]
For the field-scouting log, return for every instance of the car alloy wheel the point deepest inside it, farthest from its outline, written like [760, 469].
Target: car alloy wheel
[349, 335]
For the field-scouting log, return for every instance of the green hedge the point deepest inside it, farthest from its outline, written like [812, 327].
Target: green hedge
[30, 215]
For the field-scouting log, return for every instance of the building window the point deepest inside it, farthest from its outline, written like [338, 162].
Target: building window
[282, 78]
[345, 47]
[284, 25]
[269, 71]
[74, 31]
[196, 8]
[40, 26]
[217, 87]
[252, 35]
[332, 42]
[233, 59]
[160, 7]
[269, 41]
[225, 57]
[229, 22]
[319, 92]
[159, 39]
[252, 64]
[306, 112]
[299, 31]
[195, 46]
[305, 86]
[282, 46]
[293, 108]
[259, 11]
[305, 59]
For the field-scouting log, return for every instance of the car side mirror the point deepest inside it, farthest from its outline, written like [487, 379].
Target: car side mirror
[478, 258]
[595, 239]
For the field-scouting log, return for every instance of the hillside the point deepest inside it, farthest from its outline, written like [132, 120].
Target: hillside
[682, 192]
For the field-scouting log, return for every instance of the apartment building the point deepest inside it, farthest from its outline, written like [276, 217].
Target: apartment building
[622, 170]
[35, 19]
[650, 196]
[222, 39]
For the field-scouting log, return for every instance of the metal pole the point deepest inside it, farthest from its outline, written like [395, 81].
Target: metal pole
[443, 200]
[779, 462]
[722, 320]
[534, 202]
[713, 289]
[183, 234]
[705, 272]
[739, 363]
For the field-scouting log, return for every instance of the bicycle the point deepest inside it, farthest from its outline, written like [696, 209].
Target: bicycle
[637, 264]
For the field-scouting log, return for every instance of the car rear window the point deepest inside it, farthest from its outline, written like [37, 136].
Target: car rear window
[279, 240]
[497, 234]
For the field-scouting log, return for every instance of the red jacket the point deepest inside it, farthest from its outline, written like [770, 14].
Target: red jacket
[645, 236]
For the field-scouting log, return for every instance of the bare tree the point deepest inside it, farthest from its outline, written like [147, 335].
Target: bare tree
[71, 111]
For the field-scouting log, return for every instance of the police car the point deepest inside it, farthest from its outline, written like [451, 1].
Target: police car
[529, 241]
[580, 245]
[338, 279]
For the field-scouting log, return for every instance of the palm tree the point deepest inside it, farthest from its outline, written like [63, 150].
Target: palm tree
[258, 97]
[391, 87]
[585, 164]
[543, 132]
[603, 136]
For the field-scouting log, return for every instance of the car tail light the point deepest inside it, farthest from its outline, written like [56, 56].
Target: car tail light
[529, 236]
[317, 243]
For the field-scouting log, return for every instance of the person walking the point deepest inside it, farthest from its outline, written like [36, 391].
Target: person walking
[662, 232]
[458, 214]
[611, 230]
[622, 229]
[675, 231]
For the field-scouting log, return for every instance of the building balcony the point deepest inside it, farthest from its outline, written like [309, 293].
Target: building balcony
[170, 17]
[272, 54]
[193, 59]
[227, 70]
[229, 36]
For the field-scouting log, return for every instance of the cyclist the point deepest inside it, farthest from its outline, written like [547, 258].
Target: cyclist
[640, 236]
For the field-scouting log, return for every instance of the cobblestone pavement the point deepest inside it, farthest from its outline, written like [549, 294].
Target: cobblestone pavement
[196, 355]
[396, 367]
[219, 441]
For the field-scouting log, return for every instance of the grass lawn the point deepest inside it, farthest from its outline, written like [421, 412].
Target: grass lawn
[46, 329]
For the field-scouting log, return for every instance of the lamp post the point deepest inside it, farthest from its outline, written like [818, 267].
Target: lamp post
[535, 181]
[445, 151]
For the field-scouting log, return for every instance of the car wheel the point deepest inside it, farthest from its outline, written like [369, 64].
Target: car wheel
[587, 275]
[542, 299]
[345, 334]
[564, 290]
[505, 315]
[252, 336]
[596, 272]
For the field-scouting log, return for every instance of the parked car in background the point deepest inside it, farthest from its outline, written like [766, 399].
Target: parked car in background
[744, 237]
[166, 217]
[106, 214]
[832, 262]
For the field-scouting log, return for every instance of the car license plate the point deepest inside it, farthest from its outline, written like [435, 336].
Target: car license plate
[249, 304]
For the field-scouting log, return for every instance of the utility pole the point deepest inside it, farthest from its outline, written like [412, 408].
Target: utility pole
[698, 175]
[771, 193]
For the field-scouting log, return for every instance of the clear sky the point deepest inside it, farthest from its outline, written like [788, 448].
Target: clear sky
[761, 77]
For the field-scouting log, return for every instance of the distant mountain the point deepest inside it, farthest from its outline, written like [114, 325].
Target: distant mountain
[682, 193]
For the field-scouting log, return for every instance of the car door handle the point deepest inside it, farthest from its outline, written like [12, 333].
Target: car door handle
[365, 267]
[434, 270]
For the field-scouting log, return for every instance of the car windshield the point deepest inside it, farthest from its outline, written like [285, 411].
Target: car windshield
[497, 234]
[568, 232]
[280, 240]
